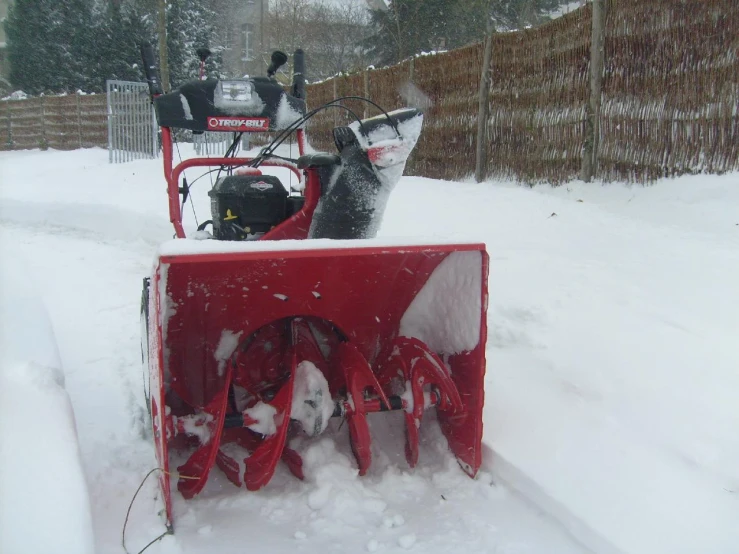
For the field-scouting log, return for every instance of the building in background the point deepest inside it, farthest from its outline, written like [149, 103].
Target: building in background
[4, 66]
[242, 36]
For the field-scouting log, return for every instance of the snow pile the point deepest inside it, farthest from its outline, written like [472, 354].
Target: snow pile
[44, 506]
[446, 312]
[17, 95]
[186, 107]
[264, 418]
[312, 405]
[188, 247]
[286, 115]
[226, 346]
[196, 425]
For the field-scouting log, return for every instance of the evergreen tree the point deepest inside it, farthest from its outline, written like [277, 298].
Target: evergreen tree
[190, 25]
[62, 46]
[46, 44]
[112, 54]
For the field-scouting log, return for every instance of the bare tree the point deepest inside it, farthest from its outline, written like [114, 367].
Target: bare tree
[287, 24]
[331, 35]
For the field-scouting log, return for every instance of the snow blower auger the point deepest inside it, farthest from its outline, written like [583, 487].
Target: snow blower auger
[288, 311]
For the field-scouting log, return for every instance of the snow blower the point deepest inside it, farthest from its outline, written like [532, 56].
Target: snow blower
[283, 310]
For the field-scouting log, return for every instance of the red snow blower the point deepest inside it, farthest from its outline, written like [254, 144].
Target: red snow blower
[283, 311]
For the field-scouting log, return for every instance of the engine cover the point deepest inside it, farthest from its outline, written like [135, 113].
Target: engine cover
[247, 205]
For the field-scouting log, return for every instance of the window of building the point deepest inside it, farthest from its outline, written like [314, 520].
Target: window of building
[247, 36]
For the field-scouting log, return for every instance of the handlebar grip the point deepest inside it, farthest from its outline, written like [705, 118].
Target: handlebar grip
[299, 74]
[151, 70]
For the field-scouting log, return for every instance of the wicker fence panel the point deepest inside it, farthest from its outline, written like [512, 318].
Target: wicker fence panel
[349, 85]
[27, 123]
[538, 93]
[671, 89]
[449, 83]
[93, 120]
[386, 85]
[319, 126]
[59, 122]
[670, 101]
[62, 122]
[5, 143]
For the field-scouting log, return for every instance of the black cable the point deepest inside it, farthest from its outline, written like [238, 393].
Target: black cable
[279, 139]
[177, 146]
[128, 513]
[192, 205]
[376, 105]
[275, 156]
[160, 537]
[230, 153]
[189, 188]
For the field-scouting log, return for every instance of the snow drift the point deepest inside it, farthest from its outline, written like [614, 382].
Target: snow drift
[44, 505]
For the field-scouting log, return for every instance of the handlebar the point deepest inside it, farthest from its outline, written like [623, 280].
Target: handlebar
[151, 70]
[299, 74]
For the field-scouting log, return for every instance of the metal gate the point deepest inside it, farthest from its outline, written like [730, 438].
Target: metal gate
[207, 144]
[132, 126]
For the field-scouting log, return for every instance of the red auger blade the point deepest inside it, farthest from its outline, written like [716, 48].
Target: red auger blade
[250, 441]
[359, 380]
[261, 465]
[194, 472]
[422, 371]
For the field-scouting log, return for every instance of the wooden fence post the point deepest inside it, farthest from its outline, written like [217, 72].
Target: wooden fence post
[79, 120]
[482, 108]
[592, 109]
[44, 140]
[366, 92]
[8, 122]
[336, 95]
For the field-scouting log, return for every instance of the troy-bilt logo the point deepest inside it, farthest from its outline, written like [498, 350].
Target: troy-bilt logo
[238, 124]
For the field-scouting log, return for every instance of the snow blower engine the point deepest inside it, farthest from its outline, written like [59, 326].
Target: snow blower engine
[247, 206]
[284, 310]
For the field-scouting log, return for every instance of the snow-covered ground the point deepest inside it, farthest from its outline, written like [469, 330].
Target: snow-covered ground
[611, 410]
[33, 403]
